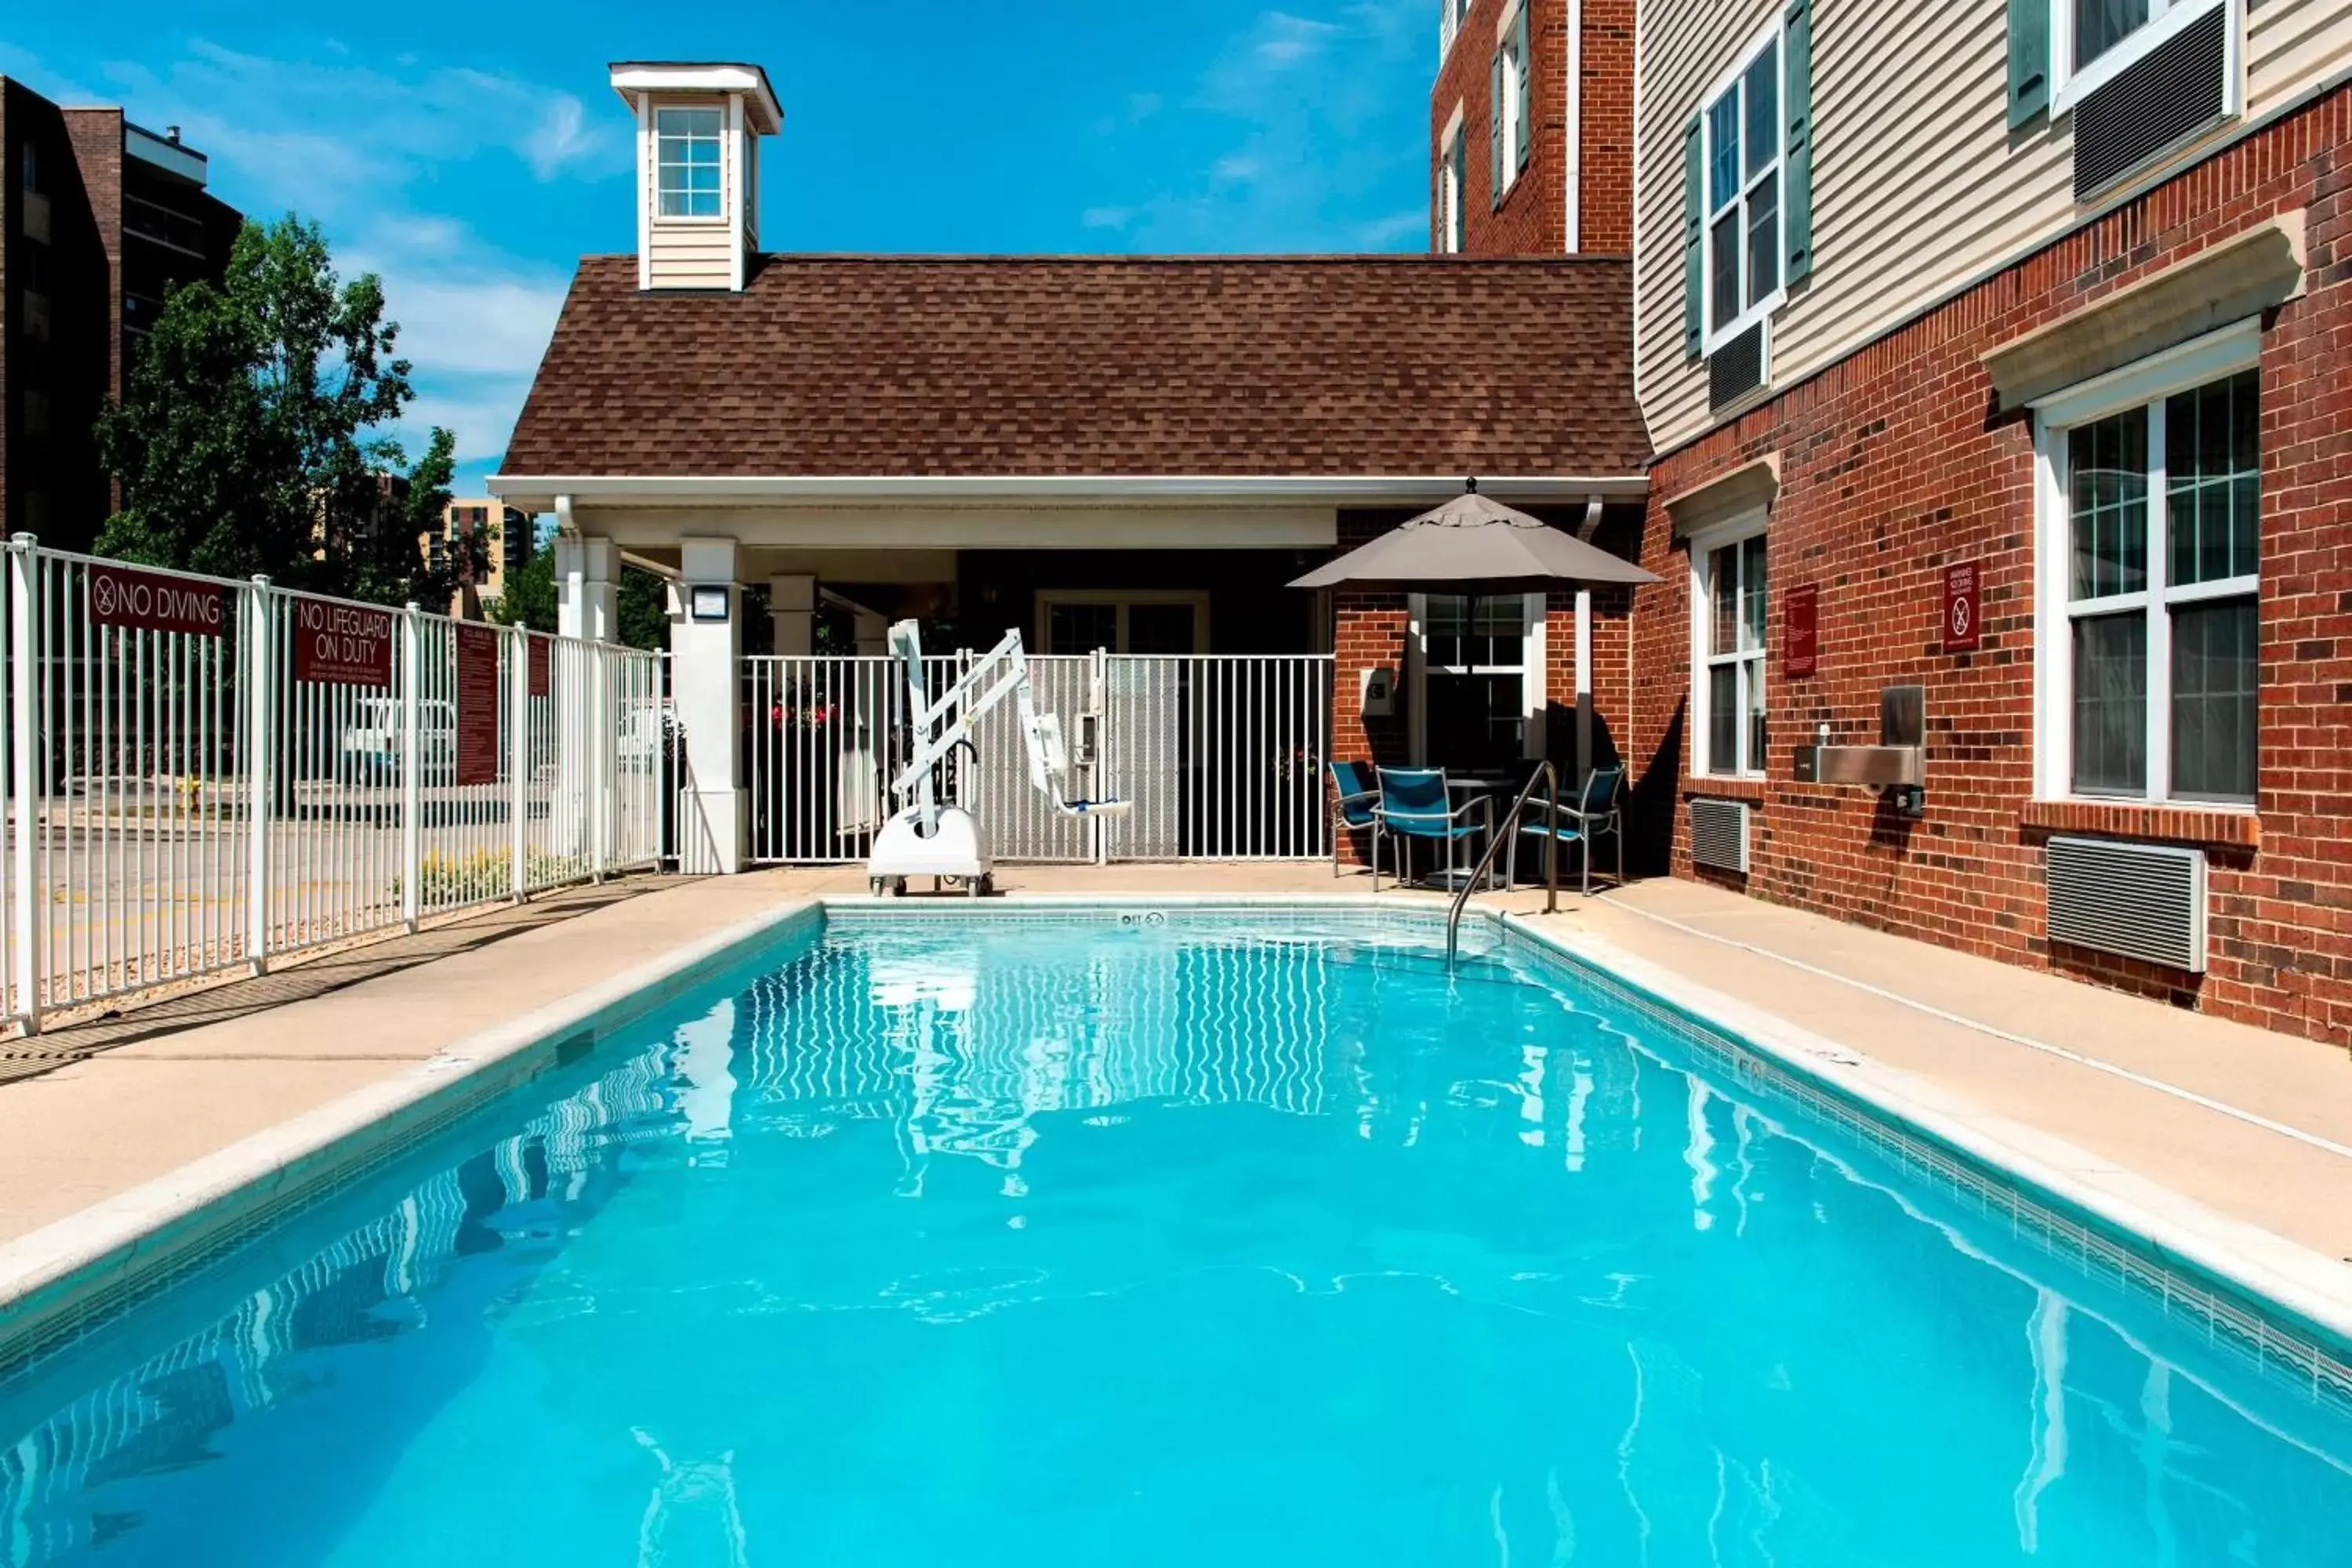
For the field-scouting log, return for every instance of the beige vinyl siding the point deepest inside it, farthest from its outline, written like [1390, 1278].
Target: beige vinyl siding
[1919, 187]
[690, 253]
[747, 148]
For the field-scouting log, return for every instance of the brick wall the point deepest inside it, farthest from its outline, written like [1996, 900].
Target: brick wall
[1533, 216]
[1369, 631]
[1605, 190]
[1894, 467]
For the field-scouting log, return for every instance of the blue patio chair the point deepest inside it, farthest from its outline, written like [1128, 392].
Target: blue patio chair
[1595, 814]
[1414, 804]
[1353, 795]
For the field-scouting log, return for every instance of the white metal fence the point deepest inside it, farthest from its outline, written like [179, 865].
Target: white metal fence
[1220, 755]
[204, 774]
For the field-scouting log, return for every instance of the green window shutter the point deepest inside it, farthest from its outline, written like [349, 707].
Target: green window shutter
[1495, 136]
[2028, 60]
[1797, 151]
[1526, 93]
[1694, 226]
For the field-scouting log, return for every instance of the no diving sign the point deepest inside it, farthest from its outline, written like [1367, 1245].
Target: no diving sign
[152, 602]
[1963, 607]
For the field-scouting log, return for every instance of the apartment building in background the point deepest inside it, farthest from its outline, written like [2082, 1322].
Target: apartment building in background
[511, 535]
[100, 218]
[1994, 355]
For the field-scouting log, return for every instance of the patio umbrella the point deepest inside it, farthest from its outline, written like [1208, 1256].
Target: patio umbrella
[1474, 540]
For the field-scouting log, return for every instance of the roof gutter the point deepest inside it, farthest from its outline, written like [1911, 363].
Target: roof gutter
[1371, 489]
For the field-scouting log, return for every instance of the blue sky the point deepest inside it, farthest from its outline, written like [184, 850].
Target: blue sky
[471, 154]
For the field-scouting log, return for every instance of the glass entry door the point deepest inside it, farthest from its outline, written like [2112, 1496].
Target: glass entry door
[1474, 680]
[1144, 624]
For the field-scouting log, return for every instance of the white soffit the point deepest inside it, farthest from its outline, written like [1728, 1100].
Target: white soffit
[634, 78]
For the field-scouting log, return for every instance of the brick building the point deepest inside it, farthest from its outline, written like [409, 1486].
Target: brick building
[510, 537]
[1131, 453]
[99, 219]
[2020, 379]
[1531, 128]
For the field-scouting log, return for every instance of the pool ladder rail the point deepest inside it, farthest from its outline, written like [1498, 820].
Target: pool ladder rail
[1504, 832]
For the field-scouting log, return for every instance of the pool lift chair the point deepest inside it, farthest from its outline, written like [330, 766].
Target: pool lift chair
[945, 842]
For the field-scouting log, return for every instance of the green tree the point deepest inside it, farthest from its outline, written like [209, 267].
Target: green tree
[529, 599]
[246, 438]
[640, 601]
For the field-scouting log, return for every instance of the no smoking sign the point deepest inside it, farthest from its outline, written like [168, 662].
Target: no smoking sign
[1963, 606]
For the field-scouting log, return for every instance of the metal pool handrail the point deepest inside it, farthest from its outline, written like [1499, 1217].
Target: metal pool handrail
[1505, 829]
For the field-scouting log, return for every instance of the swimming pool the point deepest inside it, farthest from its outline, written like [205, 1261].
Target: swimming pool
[1132, 1236]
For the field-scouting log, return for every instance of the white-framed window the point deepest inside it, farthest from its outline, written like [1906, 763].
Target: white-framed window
[1450, 15]
[1453, 177]
[1514, 136]
[2093, 41]
[1122, 620]
[688, 162]
[1477, 671]
[1728, 604]
[2148, 517]
[1740, 176]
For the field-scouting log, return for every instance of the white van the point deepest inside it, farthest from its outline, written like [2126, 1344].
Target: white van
[374, 742]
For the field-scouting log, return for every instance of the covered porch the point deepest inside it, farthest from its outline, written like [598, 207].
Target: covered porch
[1160, 608]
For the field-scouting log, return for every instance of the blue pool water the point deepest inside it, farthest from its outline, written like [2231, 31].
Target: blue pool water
[1024, 1241]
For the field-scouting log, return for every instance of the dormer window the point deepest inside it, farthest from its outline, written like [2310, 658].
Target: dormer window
[687, 156]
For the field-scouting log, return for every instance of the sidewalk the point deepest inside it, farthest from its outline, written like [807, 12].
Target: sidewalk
[243, 1059]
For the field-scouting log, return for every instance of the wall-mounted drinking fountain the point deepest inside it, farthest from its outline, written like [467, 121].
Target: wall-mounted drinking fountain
[1898, 762]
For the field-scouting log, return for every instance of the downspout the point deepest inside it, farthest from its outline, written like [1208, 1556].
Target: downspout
[1585, 532]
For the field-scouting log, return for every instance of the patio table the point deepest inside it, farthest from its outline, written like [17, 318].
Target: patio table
[1449, 880]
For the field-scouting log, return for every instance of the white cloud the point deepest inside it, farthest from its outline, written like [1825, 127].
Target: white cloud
[562, 136]
[1381, 234]
[1308, 103]
[482, 422]
[268, 113]
[1107, 218]
[1284, 40]
[26, 67]
[365, 149]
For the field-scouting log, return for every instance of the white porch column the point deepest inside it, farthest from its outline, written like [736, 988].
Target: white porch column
[1583, 686]
[872, 630]
[587, 587]
[791, 606]
[706, 642]
[587, 583]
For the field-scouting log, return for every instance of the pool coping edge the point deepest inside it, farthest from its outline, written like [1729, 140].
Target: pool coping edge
[118, 1247]
[2279, 1275]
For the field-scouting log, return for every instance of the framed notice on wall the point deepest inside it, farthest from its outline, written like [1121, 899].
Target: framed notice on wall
[1801, 632]
[477, 705]
[1963, 607]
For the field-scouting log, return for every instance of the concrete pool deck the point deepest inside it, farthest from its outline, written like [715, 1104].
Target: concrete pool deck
[2255, 1126]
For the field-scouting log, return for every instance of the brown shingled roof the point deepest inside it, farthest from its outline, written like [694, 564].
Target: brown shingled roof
[1109, 365]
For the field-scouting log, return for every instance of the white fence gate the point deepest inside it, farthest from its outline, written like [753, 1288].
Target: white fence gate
[1220, 755]
[204, 774]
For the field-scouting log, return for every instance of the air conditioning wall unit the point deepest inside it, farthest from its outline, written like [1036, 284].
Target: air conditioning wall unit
[2141, 900]
[1718, 833]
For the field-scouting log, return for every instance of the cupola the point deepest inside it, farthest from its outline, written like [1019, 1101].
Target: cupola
[699, 125]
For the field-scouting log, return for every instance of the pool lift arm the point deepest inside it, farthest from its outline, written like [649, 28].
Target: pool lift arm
[925, 838]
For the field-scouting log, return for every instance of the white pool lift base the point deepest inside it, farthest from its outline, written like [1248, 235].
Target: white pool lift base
[946, 843]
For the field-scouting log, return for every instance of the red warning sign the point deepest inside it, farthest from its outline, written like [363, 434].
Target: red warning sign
[1963, 607]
